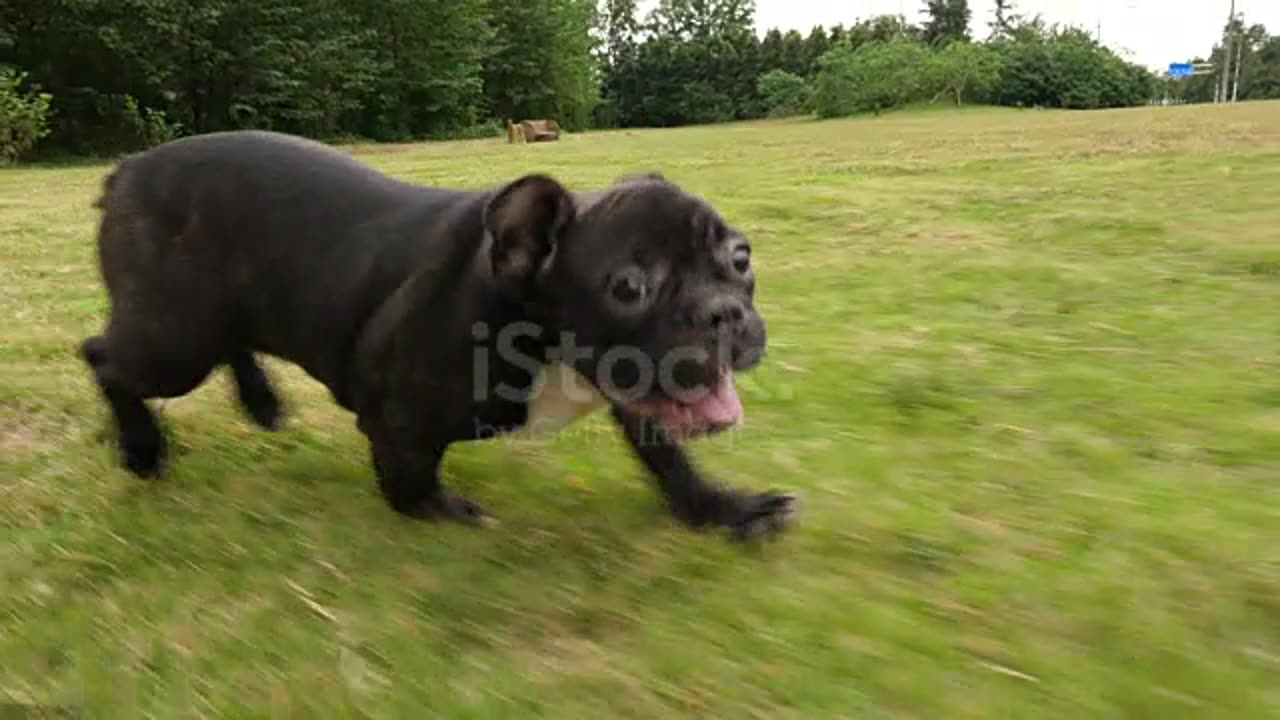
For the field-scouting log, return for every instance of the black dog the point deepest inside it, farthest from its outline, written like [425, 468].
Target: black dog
[436, 316]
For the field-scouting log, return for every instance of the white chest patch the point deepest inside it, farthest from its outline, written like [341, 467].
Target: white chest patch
[561, 397]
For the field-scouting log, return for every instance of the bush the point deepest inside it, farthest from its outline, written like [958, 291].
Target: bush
[91, 123]
[967, 71]
[151, 125]
[783, 93]
[1069, 69]
[24, 116]
[702, 104]
[1032, 67]
[877, 76]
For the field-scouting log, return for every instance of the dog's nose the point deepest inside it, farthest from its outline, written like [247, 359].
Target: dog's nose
[723, 314]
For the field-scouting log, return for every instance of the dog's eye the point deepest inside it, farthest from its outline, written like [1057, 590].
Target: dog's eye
[742, 258]
[629, 287]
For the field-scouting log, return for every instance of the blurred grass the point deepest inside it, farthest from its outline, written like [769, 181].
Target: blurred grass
[1024, 373]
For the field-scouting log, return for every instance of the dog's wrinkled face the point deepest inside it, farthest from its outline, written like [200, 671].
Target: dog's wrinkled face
[649, 287]
[659, 288]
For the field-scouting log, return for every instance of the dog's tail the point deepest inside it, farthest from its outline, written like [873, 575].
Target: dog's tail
[110, 184]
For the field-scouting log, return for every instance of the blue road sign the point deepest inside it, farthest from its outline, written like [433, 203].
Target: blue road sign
[1179, 69]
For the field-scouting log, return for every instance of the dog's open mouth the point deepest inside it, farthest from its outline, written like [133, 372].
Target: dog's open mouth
[705, 411]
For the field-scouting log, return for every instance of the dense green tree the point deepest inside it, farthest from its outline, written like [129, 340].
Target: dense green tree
[1265, 81]
[770, 52]
[795, 54]
[1069, 69]
[815, 46]
[782, 93]
[620, 22]
[619, 25]
[885, 28]
[702, 19]
[542, 61]
[90, 58]
[877, 75]
[1256, 70]
[433, 53]
[124, 74]
[948, 22]
[24, 116]
[699, 63]
[301, 67]
[836, 35]
[967, 71]
[1005, 19]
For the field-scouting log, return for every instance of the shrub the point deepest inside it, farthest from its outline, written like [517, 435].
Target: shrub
[91, 123]
[1069, 69]
[876, 76]
[703, 103]
[967, 71]
[151, 125]
[783, 93]
[24, 116]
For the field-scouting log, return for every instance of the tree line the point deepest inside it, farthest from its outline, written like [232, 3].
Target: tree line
[108, 76]
[1252, 49]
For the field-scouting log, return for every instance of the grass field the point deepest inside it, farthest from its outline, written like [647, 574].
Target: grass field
[1024, 374]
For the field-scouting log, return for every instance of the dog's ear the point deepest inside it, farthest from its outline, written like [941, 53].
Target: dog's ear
[526, 219]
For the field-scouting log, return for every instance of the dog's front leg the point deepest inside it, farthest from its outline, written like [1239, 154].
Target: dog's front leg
[408, 476]
[693, 499]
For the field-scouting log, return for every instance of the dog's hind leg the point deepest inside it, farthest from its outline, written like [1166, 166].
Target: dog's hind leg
[254, 390]
[408, 476]
[137, 432]
[127, 377]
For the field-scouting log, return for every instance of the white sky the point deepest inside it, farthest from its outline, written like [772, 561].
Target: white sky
[1156, 32]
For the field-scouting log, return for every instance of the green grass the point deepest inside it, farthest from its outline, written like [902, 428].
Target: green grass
[1025, 375]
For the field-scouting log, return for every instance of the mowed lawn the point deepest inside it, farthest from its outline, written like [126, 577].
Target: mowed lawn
[1024, 374]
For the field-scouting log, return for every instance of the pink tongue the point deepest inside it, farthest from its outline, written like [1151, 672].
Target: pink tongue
[719, 407]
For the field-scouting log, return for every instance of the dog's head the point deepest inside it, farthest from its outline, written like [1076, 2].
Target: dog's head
[652, 292]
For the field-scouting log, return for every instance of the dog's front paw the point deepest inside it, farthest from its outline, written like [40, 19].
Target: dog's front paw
[456, 507]
[143, 451]
[264, 407]
[269, 414]
[446, 505]
[765, 515]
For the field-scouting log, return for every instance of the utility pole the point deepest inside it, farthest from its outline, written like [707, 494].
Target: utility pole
[1225, 79]
[1235, 82]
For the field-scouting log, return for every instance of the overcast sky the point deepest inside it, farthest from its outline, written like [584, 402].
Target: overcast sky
[1156, 32]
